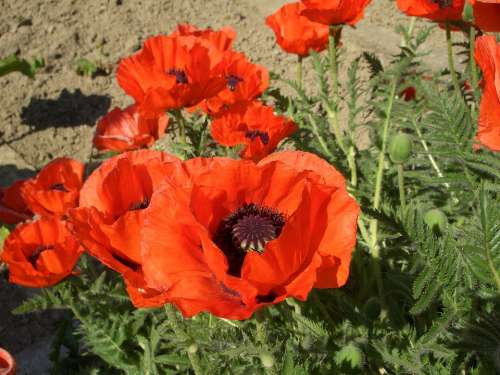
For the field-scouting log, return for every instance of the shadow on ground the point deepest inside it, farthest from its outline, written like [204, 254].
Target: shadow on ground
[9, 173]
[69, 109]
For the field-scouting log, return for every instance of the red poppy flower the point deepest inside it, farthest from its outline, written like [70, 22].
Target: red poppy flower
[409, 94]
[40, 253]
[171, 73]
[126, 130]
[436, 10]
[110, 216]
[13, 208]
[254, 125]
[244, 82]
[245, 235]
[335, 12]
[295, 33]
[221, 39]
[56, 188]
[487, 14]
[487, 54]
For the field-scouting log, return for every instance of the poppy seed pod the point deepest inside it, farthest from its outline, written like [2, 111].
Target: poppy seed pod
[400, 148]
[436, 220]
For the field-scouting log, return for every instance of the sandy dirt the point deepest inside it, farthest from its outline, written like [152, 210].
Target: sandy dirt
[54, 114]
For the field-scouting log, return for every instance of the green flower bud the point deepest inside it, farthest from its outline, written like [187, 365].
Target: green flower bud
[4, 233]
[192, 349]
[468, 13]
[350, 355]
[436, 220]
[266, 359]
[400, 148]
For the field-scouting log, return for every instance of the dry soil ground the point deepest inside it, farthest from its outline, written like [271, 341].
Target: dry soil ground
[54, 114]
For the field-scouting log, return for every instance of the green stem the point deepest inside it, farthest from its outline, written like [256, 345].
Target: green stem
[351, 159]
[380, 171]
[299, 72]
[451, 64]
[401, 185]
[182, 335]
[262, 339]
[332, 109]
[491, 265]
[181, 123]
[321, 140]
[473, 67]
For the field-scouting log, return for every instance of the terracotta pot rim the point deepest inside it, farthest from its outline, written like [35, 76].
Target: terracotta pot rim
[9, 359]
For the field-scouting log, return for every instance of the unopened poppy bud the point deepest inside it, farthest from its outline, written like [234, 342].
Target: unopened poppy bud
[192, 349]
[400, 148]
[266, 359]
[436, 220]
[350, 355]
[468, 13]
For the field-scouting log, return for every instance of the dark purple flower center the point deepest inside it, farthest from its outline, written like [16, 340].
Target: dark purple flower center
[59, 187]
[232, 81]
[180, 75]
[249, 228]
[139, 205]
[36, 253]
[252, 134]
[443, 3]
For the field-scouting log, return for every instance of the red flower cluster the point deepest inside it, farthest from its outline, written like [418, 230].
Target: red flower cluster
[486, 12]
[218, 235]
[335, 12]
[487, 56]
[42, 252]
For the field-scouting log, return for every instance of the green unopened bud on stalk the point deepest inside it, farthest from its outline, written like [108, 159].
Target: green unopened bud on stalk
[193, 348]
[436, 220]
[400, 148]
[468, 13]
[350, 355]
[267, 359]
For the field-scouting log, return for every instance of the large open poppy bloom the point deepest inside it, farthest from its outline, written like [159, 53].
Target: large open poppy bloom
[40, 253]
[295, 33]
[126, 130]
[13, 208]
[110, 215]
[436, 10]
[253, 125]
[487, 54]
[335, 12]
[171, 72]
[221, 39]
[487, 14]
[244, 82]
[239, 236]
[56, 188]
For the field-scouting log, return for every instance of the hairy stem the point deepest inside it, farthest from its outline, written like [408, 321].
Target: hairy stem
[380, 171]
[401, 185]
[472, 64]
[299, 71]
[182, 335]
[451, 63]
[320, 138]
[262, 339]
[181, 123]
[351, 159]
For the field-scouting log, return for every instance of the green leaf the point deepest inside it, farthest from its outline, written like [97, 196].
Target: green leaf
[13, 63]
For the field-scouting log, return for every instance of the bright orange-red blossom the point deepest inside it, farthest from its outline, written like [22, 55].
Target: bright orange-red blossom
[237, 236]
[487, 14]
[56, 188]
[244, 82]
[13, 208]
[40, 253]
[253, 125]
[126, 130]
[436, 10]
[295, 33]
[110, 215]
[487, 54]
[171, 72]
[335, 12]
[221, 39]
